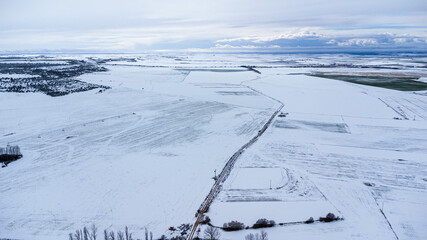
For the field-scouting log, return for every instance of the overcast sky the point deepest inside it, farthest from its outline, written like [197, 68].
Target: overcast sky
[214, 25]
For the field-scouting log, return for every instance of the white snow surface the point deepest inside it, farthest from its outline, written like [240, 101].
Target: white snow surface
[143, 153]
[337, 139]
[14, 75]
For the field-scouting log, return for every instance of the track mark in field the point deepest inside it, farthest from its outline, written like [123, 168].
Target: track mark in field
[385, 217]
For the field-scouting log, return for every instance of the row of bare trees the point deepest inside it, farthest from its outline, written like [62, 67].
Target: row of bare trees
[261, 236]
[91, 234]
[212, 233]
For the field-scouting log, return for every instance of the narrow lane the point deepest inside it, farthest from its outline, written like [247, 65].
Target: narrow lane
[227, 168]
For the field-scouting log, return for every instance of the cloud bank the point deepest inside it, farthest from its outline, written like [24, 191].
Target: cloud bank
[274, 25]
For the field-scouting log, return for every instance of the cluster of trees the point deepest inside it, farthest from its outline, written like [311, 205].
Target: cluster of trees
[10, 150]
[48, 77]
[9, 154]
[85, 233]
[329, 218]
[205, 220]
[260, 223]
[92, 234]
[261, 236]
[212, 233]
[233, 226]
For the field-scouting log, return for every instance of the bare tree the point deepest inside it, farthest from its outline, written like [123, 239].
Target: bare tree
[71, 236]
[264, 235]
[85, 233]
[93, 230]
[256, 236]
[78, 235]
[151, 236]
[146, 234]
[250, 236]
[112, 237]
[211, 233]
[105, 234]
[120, 235]
[127, 232]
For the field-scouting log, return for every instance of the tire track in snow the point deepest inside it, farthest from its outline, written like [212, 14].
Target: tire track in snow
[385, 217]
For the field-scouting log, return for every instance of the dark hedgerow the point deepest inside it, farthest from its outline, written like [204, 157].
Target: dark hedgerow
[205, 220]
[233, 226]
[310, 220]
[262, 223]
[329, 218]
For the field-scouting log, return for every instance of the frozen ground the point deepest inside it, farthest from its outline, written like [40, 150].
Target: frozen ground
[342, 152]
[143, 153]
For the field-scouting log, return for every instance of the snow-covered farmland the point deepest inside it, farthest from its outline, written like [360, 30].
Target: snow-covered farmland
[127, 156]
[143, 153]
[341, 151]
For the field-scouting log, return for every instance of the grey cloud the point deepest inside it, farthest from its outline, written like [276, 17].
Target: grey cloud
[134, 25]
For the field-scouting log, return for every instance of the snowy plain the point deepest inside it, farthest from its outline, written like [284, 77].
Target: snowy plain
[339, 145]
[143, 153]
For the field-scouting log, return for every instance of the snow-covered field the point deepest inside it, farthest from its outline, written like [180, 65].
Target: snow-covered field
[143, 153]
[341, 152]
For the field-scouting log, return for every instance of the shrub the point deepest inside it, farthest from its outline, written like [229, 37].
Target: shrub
[205, 220]
[261, 223]
[310, 220]
[178, 238]
[233, 226]
[184, 228]
[329, 218]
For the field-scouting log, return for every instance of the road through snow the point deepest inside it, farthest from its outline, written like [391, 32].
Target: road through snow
[227, 168]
